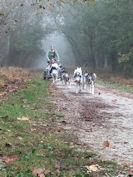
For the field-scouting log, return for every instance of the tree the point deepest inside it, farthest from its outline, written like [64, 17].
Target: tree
[101, 33]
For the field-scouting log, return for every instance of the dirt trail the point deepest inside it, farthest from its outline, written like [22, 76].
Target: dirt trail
[105, 116]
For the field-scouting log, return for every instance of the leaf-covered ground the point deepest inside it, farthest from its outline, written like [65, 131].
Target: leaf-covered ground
[33, 141]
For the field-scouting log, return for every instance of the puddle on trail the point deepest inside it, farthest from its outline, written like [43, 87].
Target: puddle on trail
[104, 116]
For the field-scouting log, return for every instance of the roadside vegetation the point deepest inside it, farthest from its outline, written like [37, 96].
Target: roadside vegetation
[99, 38]
[116, 80]
[34, 142]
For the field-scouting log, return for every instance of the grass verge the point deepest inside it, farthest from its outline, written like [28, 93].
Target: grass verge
[116, 80]
[31, 139]
[121, 87]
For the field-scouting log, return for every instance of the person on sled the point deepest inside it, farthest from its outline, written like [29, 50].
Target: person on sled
[52, 57]
[52, 53]
[54, 65]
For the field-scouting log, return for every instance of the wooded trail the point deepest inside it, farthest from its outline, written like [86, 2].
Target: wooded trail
[103, 122]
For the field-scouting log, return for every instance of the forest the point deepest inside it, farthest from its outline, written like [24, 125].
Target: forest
[99, 32]
[72, 115]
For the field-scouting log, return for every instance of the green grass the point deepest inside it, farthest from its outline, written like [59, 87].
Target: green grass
[124, 88]
[37, 141]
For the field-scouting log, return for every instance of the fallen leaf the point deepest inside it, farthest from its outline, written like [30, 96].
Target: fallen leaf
[44, 125]
[57, 167]
[23, 118]
[114, 159]
[8, 145]
[105, 160]
[114, 100]
[113, 147]
[64, 122]
[49, 107]
[4, 117]
[7, 159]
[94, 168]
[127, 164]
[24, 100]
[12, 90]
[20, 138]
[57, 172]
[61, 130]
[41, 175]
[114, 154]
[125, 142]
[40, 172]
[106, 143]
[88, 115]
[52, 119]
[50, 4]
[25, 106]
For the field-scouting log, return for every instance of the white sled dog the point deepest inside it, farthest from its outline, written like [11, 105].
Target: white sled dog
[54, 72]
[89, 82]
[78, 79]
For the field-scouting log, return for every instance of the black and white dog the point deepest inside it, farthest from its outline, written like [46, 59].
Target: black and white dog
[65, 77]
[78, 79]
[54, 71]
[89, 79]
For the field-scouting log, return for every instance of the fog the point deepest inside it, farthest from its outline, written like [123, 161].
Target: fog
[62, 46]
[90, 34]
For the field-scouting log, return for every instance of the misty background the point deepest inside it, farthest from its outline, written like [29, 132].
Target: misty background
[94, 34]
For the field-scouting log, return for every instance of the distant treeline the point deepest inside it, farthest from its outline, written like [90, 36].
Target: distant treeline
[21, 32]
[101, 34]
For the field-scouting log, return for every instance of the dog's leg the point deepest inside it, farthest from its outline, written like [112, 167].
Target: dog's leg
[69, 82]
[83, 83]
[76, 88]
[92, 89]
[53, 80]
[80, 86]
[85, 86]
[89, 88]
[62, 80]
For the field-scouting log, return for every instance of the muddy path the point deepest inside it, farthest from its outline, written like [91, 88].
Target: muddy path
[102, 122]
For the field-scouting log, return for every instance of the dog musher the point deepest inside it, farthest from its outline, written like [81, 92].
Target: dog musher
[52, 57]
[52, 54]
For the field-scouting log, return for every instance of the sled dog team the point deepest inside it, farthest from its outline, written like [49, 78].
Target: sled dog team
[83, 81]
